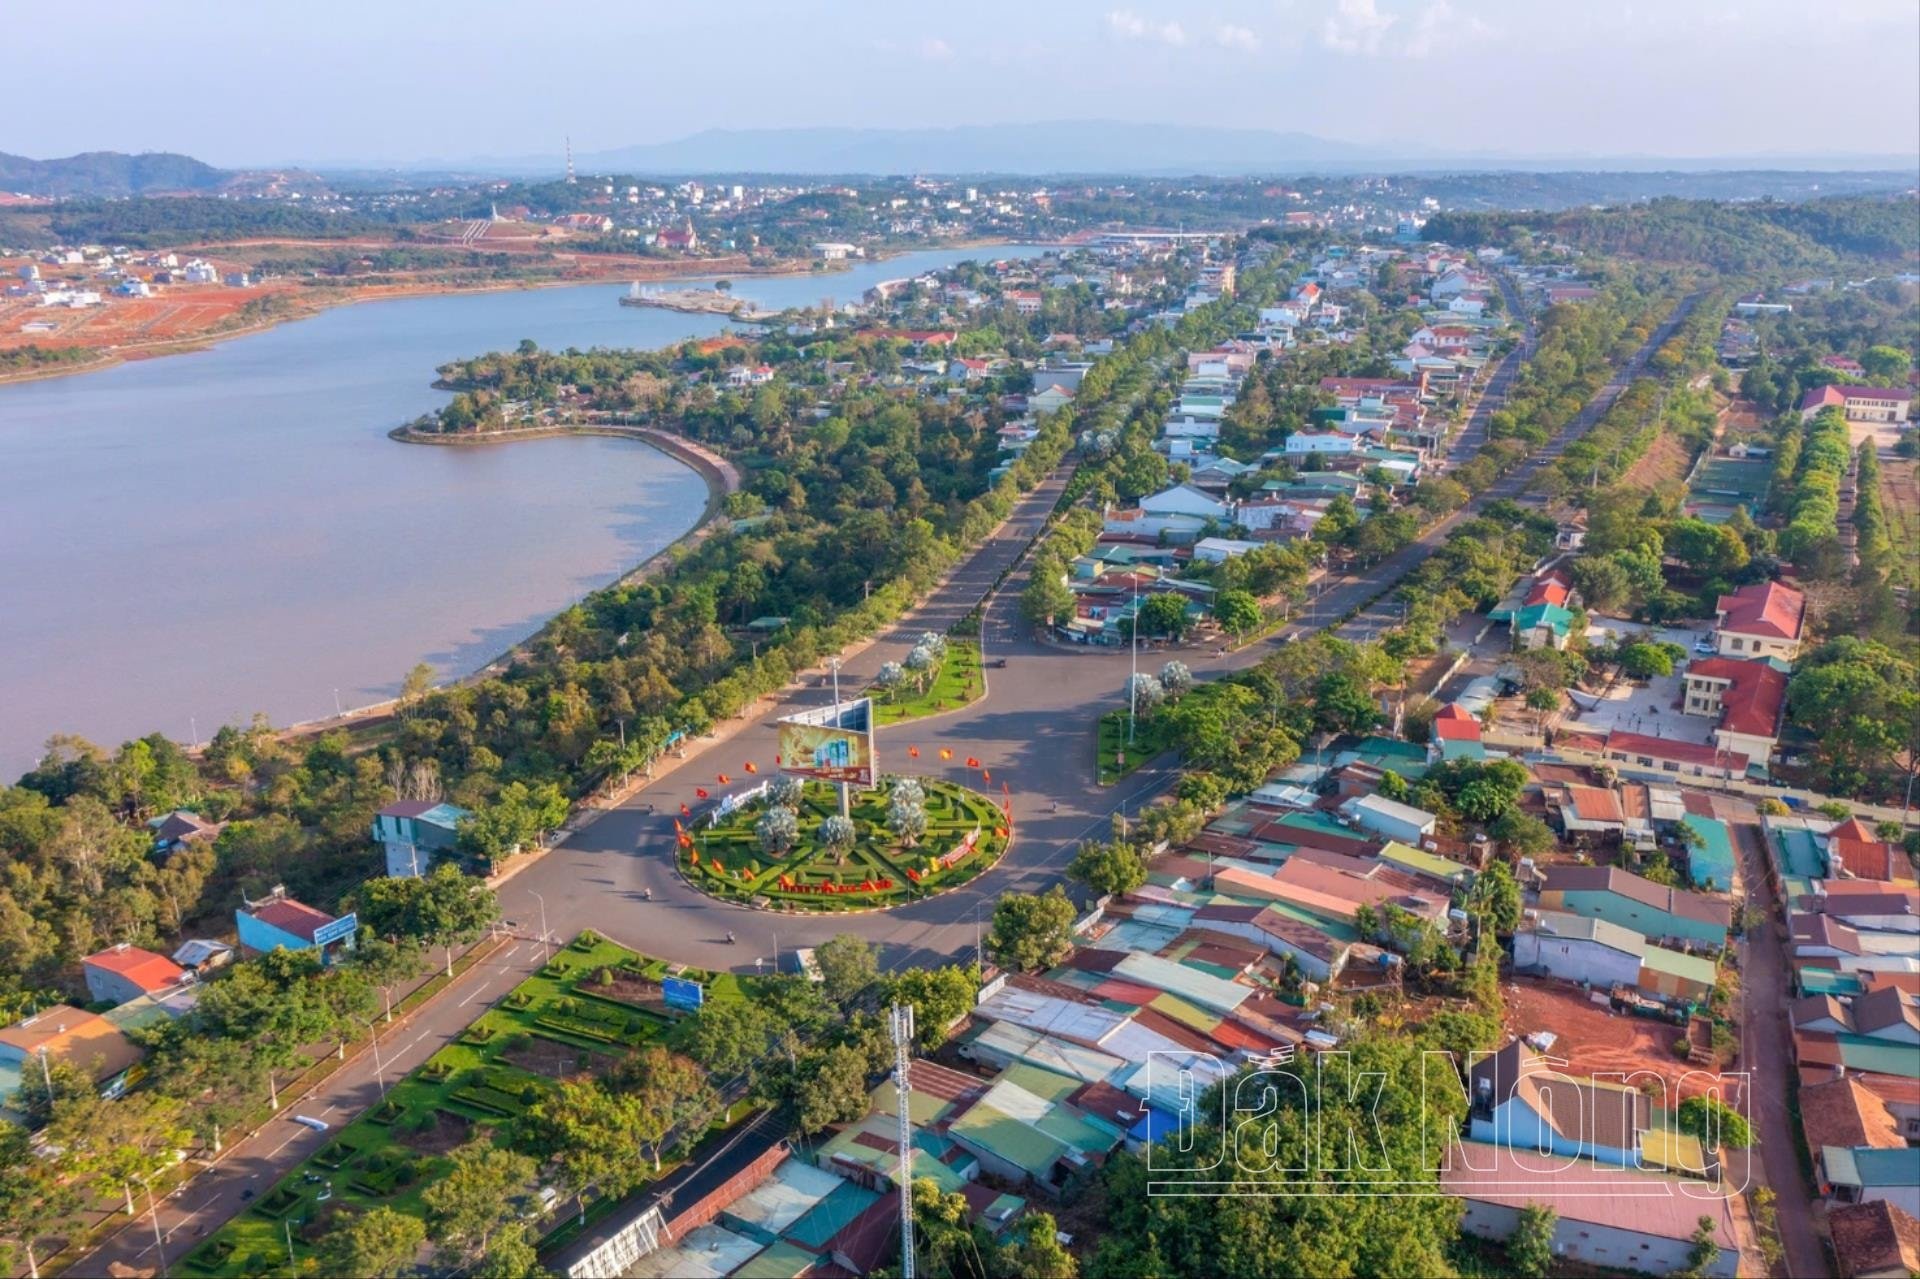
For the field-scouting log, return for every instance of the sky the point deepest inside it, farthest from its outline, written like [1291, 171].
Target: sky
[412, 81]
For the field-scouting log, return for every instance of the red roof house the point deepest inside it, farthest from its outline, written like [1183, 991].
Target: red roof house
[125, 972]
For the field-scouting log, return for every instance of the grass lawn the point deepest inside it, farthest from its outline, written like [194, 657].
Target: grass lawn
[955, 684]
[1149, 740]
[550, 1026]
[879, 870]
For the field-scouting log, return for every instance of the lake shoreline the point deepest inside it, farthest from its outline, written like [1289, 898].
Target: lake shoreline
[311, 305]
[722, 480]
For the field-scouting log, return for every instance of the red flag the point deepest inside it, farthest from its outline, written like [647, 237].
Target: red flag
[986, 776]
[776, 761]
[685, 811]
[1001, 832]
[1004, 790]
[945, 753]
[724, 779]
[700, 792]
[913, 752]
[678, 829]
[751, 768]
[972, 762]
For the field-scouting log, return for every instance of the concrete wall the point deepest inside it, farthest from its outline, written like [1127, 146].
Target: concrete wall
[1574, 959]
[1597, 1245]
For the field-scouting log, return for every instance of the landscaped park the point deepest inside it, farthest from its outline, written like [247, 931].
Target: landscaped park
[591, 1006]
[790, 849]
[938, 675]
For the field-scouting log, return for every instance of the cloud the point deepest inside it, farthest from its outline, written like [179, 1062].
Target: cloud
[1356, 26]
[934, 49]
[1228, 36]
[1129, 25]
[1439, 28]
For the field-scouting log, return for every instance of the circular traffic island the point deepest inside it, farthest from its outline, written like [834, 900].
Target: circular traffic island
[789, 848]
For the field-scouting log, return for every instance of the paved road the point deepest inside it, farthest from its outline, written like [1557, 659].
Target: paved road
[212, 1197]
[1031, 731]
[1766, 1054]
[1384, 612]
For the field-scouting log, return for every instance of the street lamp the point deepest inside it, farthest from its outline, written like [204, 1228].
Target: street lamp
[546, 942]
[159, 1240]
[379, 1068]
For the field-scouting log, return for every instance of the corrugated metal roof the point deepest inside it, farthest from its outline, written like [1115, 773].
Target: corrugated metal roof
[1584, 928]
[1013, 1140]
[1019, 1043]
[1208, 992]
[1082, 1023]
[1673, 963]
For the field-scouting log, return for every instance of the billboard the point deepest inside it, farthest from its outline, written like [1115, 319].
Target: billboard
[687, 996]
[833, 744]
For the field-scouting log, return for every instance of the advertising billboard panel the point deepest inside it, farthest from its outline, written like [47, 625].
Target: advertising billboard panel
[833, 744]
[686, 996]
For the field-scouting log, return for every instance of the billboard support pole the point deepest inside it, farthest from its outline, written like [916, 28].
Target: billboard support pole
[846, 800]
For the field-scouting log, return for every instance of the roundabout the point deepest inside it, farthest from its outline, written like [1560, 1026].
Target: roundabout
[786, 847]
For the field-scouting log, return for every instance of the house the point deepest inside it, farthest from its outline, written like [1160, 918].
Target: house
[414, 831]
[1859, 403]
[1337, 892]
[1866, 1174]
[1217, 550]
[1330, 443]
[1046, 400]
[1689, 759]
[1841, 1114]
[1516, 1103]
[1874, 1241]
[1589, 810]
[749, 375]
[281, 923]
[174, 831]
[1869, 904]
[681, 237]
[201, 955]
[1317, 954]
[1390, 818]
[86, 1041]
[1851, 950]
[1710, 858]
[1611, 1220]
[124, 972]
[1580, 948]
[1186, 500]
[1543, 625]
[1653, 910]
[1747, 697]
[1765, 619]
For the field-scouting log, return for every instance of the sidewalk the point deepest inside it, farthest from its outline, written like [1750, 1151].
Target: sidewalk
[229, 1181]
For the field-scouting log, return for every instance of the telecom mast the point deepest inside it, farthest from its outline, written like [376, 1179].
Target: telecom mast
[902, 1024]
[569, 159]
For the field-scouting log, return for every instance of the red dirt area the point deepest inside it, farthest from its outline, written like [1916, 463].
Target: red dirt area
[1594, 1040]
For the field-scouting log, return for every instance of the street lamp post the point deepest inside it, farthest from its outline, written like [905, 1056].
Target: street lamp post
[546, 942]
[159, 1240]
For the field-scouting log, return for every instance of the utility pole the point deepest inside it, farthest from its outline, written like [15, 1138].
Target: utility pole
[1133, 674]
[902, 1025]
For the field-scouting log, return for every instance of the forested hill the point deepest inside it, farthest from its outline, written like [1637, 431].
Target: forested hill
[108, 173]
[1763, 236]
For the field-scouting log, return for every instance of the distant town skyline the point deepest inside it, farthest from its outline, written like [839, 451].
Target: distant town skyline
[410, 84]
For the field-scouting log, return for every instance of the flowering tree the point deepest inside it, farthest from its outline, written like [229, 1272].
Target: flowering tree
[1176, 678]
[786, 792]
[1145, 692]
[779, 831]
[837, 833]
[907, 813]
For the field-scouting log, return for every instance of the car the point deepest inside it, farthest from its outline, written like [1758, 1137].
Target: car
[318, 1125]
[1704, 646]
[998, 663]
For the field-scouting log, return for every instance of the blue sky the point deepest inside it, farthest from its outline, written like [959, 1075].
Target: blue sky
[412, 80]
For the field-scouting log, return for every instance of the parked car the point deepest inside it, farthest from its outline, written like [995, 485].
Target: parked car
[1704, 646]
[318, 1125]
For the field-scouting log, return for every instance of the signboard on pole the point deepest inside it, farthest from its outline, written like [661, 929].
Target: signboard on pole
[686, 996]
[832, 744]
[345, 926]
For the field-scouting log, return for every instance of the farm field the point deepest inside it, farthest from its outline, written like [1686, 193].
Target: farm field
[1900, 498]
[561, 1023]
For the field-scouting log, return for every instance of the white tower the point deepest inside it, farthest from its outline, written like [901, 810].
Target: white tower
[902, 1024]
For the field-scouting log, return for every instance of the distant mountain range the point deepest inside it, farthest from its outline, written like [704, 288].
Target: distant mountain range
[114, 174]
[1114, 147]
[109, 173]
[1093, 146]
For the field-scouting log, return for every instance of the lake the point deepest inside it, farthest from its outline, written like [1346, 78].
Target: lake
[188, 540]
